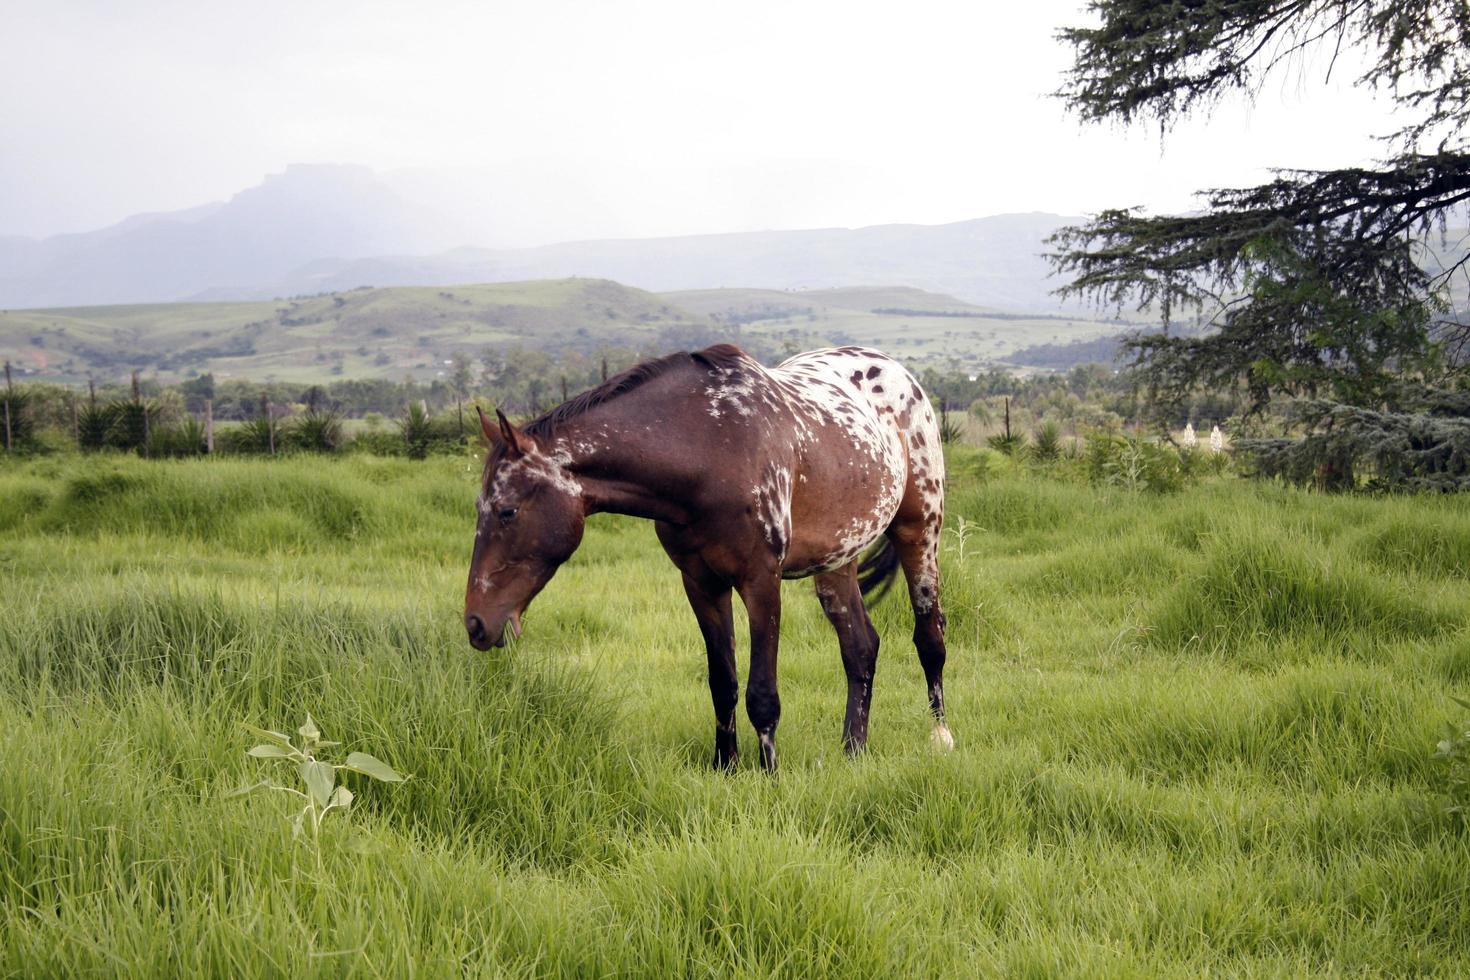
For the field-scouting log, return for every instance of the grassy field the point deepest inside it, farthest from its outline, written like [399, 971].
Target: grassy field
[411, 330]
[975, 340]
[363, 333]
[1194, 737]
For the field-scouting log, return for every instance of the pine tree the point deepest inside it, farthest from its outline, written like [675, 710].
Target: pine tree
[1327, 286]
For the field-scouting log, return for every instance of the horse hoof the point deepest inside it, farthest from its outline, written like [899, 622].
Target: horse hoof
[941, 739]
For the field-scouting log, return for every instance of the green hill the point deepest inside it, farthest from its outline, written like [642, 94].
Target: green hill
[911, 323]
[359, 333]
[413, 330]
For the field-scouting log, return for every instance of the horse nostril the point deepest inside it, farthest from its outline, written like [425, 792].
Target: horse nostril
[476, 627]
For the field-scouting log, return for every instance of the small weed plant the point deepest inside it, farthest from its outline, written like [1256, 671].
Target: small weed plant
[1453, 753]
[322, 792]
[961, 530]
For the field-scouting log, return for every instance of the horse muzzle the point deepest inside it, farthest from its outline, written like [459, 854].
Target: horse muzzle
[483, 636]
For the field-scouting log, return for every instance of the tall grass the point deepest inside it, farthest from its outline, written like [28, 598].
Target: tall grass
[1194, 738]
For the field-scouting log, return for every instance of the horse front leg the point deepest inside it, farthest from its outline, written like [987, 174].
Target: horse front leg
[762, 598]
[710, 600]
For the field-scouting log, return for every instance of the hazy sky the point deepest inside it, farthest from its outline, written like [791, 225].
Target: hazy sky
[555, 119]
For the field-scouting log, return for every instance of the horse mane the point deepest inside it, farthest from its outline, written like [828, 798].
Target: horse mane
[720, 356]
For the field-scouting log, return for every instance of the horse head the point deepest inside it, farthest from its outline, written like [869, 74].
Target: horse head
[531, 520]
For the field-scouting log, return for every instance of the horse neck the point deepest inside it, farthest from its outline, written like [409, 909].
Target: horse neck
[626, 466]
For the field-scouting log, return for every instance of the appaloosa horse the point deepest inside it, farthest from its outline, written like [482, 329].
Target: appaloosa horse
[751, 475]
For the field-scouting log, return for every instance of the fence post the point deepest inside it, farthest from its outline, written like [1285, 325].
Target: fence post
[8, 388]
[1008, 418]
[143, 411]
[209, 426]
[270, 425]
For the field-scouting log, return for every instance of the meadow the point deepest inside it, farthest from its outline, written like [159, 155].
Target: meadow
[411, 331]
[1194, 736]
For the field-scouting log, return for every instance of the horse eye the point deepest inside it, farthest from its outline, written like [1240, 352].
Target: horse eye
[506, 515]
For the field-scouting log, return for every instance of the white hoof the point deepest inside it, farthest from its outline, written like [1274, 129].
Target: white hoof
[941, 739]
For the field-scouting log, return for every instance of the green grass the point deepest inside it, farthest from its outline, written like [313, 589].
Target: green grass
[362, 333]
[1194, 737]
[411, 330]
[811, 317]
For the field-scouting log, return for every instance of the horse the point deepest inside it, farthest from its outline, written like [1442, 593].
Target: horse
[751, 475]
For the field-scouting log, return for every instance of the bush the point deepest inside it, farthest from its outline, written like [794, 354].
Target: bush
[131, 425]
[417, 429]
[250, 437]
[1134, 464]
[422, 433]
[22, 428]
[1012, 445]
[184, 439]
[316, 431]
[94, 426]
[1046, 443]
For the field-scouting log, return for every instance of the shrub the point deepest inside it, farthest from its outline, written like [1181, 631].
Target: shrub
[417, 429]
[317, 431]
[1012, 445]
[1134, 464]
[132, 425]
[1046, 442]
[22, 427]
[184, 439]
[94, 426]
[251, 436]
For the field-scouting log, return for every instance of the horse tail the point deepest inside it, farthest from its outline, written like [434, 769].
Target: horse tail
[877, 569]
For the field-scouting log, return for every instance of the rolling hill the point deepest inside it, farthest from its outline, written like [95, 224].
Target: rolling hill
[413, 330]
[360, 333]
[920, 326]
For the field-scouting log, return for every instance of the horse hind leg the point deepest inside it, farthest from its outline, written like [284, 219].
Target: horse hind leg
[917, 543]
[842, 601]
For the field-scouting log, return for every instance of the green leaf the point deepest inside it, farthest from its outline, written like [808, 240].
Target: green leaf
[296, 825]
[1460, 701]
[369, 766]
[365, 845]
[319, 778]
[277, 737]
[341, 797]
[309, 729]
[271, 752]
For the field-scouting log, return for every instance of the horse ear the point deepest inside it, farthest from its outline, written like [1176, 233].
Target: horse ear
[486, 429]
[516, 442]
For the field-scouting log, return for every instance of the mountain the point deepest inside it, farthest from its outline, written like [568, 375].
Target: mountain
[993, 261]
[305, 214]
[323, 228]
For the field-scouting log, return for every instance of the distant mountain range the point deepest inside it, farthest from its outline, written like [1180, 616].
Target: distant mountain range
[316, 229]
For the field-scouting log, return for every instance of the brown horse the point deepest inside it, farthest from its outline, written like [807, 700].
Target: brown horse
[751, 475]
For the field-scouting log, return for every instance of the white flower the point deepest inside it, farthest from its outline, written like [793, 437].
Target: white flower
[1188, 440]
[1217, 440]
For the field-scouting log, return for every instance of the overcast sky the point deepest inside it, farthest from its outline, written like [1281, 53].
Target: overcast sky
[557, 119]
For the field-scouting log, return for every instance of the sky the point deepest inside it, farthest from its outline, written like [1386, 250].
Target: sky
[533, 122]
